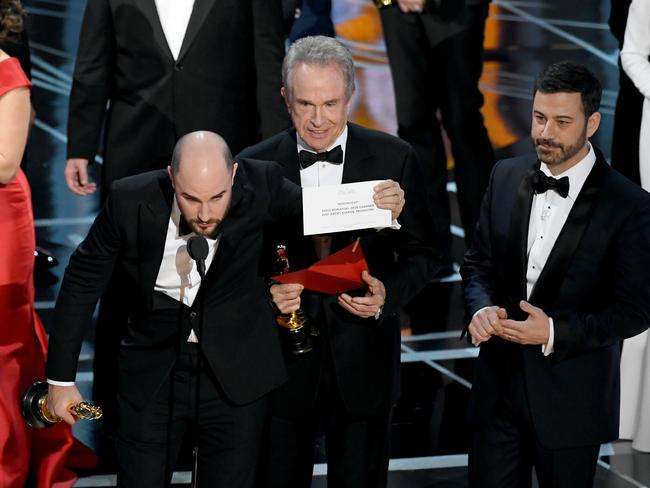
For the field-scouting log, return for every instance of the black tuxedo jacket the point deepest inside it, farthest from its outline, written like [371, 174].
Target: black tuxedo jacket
[240, 341]
[595, 285]
[229, 61]
[365, 352]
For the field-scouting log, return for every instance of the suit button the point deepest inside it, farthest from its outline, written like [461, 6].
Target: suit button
[193, 314]
[178, 67]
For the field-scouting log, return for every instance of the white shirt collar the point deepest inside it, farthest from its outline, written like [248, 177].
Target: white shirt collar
[176, 216]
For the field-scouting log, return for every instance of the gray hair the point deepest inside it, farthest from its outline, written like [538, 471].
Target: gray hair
[319, 51]
[205, 137]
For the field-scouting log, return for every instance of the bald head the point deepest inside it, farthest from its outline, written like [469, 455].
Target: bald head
[202, 174]
[208, 147]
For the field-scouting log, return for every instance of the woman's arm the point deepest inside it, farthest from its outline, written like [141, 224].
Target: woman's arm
[636, 47]
[15, 110]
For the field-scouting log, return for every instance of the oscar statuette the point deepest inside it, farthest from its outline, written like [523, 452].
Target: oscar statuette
[294, 326]
[37, 414]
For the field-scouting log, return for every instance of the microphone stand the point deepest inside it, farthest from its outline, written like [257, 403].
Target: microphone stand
[197, 248]
[199, 365]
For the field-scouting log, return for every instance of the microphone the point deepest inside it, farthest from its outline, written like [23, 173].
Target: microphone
[197, 248]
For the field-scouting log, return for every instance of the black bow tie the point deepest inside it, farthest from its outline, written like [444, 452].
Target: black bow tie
[334, 156]
[542, 183]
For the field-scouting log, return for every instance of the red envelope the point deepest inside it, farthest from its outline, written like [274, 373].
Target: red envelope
[337, 273]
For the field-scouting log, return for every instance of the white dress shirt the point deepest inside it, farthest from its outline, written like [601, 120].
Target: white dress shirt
[322, 173]
[634, 59]
[178, 276]
[174, 17]
[548, 214]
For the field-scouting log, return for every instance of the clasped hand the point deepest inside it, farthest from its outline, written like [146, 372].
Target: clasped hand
[494, 320]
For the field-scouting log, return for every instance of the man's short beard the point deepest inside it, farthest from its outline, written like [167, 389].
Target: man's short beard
[566, 152]
[212, 234]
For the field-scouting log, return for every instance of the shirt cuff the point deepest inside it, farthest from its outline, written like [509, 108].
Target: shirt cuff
[60, 383]
[549, 347]
[395, 226]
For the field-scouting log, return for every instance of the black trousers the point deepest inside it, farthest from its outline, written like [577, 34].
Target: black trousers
[442, 77]
[504, 452]
[148, 440]
[357, 446]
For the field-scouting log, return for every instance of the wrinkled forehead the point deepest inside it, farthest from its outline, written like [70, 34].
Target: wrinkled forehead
[317, 77]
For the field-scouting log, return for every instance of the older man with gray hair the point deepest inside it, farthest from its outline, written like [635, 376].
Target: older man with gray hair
[351, 377]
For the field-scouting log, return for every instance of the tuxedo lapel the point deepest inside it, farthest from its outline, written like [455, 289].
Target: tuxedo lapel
[518, 239]
[152, 228]
[200, 11]
[356, 167]
[151, 13]
[234, 225]
[357, 158]
[286, 155]
[558, 261]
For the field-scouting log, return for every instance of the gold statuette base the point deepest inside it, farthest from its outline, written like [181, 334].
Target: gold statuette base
[294, 328]
[293, 321]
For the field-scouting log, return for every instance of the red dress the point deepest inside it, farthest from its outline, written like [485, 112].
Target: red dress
[23, 342]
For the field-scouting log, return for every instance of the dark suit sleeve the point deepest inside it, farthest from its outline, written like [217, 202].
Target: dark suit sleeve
[285, 196]
[628, 312]
[477, 272]
[418, 256]
[91, 81]
[269, 32]
[84, 282]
